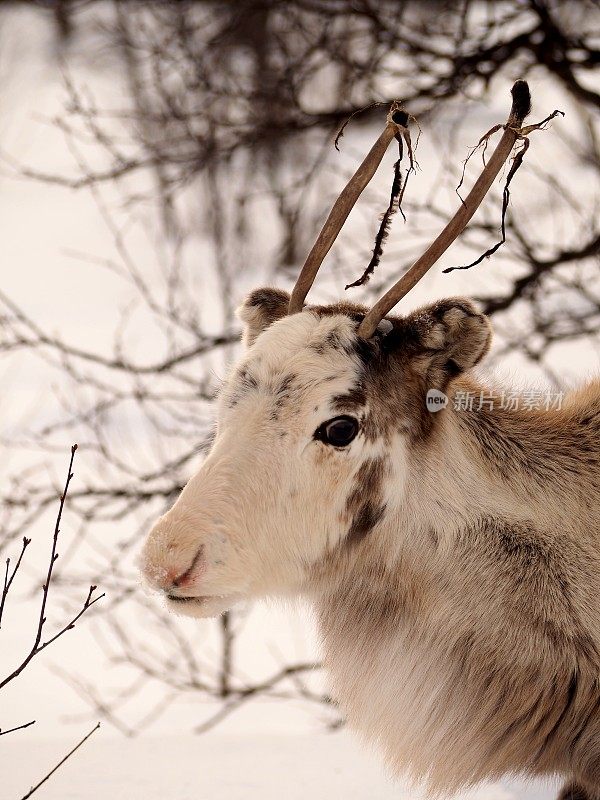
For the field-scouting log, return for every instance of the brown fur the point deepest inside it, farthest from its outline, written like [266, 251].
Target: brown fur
[365, 506]
[470, 608]
[262, 307]
[507, 607]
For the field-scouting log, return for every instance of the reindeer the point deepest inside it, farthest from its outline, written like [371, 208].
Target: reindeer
[452, 558]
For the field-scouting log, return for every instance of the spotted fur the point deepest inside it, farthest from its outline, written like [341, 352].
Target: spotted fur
[453, 559]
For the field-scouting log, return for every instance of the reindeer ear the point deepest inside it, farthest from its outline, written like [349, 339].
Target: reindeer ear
[260, 309]
[449, 337]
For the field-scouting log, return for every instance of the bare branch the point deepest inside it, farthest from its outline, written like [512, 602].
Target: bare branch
[9, 579]
[239, 697]
[38, 645]
[18, 728]
[60, 763]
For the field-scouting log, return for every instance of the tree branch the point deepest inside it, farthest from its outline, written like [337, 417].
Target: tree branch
[60, 763]
[38, 645]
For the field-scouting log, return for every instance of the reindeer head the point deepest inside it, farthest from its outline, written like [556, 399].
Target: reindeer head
[317, 421]
[315, 424]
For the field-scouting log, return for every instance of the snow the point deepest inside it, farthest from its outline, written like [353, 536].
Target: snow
[220, 767]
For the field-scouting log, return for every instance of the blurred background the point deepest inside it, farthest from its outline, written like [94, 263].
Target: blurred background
[157, 161]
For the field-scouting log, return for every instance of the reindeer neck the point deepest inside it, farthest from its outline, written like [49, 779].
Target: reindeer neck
[482, 577]
[507, 459]
[521, 455]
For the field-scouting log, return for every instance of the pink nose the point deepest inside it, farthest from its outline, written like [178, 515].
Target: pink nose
[175, 579]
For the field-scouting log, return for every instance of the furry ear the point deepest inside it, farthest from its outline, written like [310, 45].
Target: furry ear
[449, 337]
[260, 309]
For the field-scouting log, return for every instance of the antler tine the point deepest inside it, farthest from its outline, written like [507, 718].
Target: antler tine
[521, 106]
[341, 208]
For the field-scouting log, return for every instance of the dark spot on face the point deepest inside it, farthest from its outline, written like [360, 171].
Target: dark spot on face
[365, 350]
[365, 506]
[364, 521]
[283, 391]
[245, 383]
[352, 400]
[285, 385]
[287, 392]
[331, 341]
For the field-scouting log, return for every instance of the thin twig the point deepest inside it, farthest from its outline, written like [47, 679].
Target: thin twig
[17, 728]
[8, 580]
[38, 645]
[241, 696]
[60, 763]
[358, 111]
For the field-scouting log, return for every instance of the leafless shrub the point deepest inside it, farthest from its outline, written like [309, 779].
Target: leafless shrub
[39, 642]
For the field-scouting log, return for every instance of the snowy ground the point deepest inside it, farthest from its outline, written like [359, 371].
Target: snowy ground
[217, 767]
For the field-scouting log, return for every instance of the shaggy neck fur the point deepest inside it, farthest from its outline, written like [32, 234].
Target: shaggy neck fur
[480, 591]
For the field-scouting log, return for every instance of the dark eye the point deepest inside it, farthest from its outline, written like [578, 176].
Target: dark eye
[338, 432]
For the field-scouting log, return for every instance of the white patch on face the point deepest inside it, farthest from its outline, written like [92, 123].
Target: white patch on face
[269, 500]
[397, 455]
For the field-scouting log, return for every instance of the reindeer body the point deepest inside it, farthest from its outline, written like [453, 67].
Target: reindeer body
[453, 558]
[464, 636]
